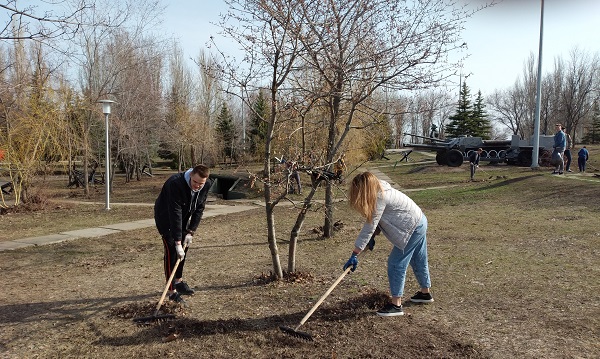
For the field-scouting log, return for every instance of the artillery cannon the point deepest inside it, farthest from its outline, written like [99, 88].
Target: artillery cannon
[454, 151]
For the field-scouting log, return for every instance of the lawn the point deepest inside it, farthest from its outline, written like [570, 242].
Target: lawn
[513, 259]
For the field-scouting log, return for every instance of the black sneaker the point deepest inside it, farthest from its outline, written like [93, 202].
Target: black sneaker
[421, 298]
[183, 289]
[176, 297]
[390, 310]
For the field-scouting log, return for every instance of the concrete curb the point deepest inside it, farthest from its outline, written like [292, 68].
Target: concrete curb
[211, 210]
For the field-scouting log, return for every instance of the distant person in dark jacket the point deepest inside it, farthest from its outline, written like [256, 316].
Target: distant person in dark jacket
[582, 157]
[474, 161]
[177, 213]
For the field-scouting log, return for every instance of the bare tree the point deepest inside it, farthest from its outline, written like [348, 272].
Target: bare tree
[510, 108]
[42, 21]
[359, 47]
[207, 101]
[427, 109]
[138, 89]
[580, 89]
[99, 69]
[263, 30]
[350, 52]
[180, 128]
[568, 93]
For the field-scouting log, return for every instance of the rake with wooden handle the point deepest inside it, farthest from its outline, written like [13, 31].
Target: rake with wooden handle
[303, 335]
[156, 317]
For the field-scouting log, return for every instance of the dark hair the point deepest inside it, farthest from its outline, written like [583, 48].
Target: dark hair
[201, 170]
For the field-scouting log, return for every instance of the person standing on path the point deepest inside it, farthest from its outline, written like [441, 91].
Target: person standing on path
[560, 143]
[177, 213]
[404, 224]
[568, 151]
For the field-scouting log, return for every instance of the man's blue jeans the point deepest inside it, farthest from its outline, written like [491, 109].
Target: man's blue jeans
[415, 254]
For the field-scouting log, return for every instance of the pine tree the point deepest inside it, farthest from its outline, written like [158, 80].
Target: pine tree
[459, 122]
[469, 120]
[226, 131]
[258, 125]
[480, 125]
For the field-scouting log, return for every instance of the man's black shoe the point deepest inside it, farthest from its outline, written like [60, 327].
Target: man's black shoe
[183, 288]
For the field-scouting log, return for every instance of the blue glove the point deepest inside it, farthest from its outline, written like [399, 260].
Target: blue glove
[352, 262]
[371, 243]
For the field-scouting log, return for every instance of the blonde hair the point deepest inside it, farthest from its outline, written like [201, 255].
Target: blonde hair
[363, 194]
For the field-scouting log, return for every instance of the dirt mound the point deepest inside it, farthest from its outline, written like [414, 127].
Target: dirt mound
[137, 310]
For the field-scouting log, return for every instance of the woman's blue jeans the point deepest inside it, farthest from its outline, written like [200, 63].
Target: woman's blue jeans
[415, 254]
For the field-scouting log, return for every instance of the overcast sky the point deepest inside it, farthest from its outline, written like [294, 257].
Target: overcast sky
[499, 39]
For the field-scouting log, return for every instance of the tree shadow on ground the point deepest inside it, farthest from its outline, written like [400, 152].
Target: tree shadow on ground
[63, 310]
[506, 183]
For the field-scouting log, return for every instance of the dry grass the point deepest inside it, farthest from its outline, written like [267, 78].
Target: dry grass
[513, 263]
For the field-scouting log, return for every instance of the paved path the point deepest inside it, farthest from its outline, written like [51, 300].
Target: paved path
[211, 210]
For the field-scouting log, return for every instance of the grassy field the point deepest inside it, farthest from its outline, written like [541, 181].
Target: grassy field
[513, 258]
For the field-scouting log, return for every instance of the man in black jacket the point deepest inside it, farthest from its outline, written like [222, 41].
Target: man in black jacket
[177, 213]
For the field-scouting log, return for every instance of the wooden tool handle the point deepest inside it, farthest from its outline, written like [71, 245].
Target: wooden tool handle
[318, 303]
[164, 293]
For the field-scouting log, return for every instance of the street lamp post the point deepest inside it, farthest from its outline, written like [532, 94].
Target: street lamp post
[538, 95]
[106, 110]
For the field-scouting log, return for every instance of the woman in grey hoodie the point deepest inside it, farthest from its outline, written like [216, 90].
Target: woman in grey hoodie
[403, 223]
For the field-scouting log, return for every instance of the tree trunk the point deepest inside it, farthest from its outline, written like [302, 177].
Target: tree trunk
[271, 232]
[298, 226]
[179, 159]
[328, 224]
[334, 115]
[193, 155]
[86, 185]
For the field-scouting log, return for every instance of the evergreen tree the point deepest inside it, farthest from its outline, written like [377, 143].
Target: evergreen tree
[258, 124]
[593, 131]
[469, 120]
[480, 125]
[226, 131]
[459, 122]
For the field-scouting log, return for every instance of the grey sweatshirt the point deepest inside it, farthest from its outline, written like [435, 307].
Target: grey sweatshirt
[396, 214]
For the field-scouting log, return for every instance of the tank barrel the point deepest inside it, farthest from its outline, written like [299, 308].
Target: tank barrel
[423, 145]
[425, 137]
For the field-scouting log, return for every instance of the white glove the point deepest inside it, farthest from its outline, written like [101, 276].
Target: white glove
[188, 240]
[180, 252]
